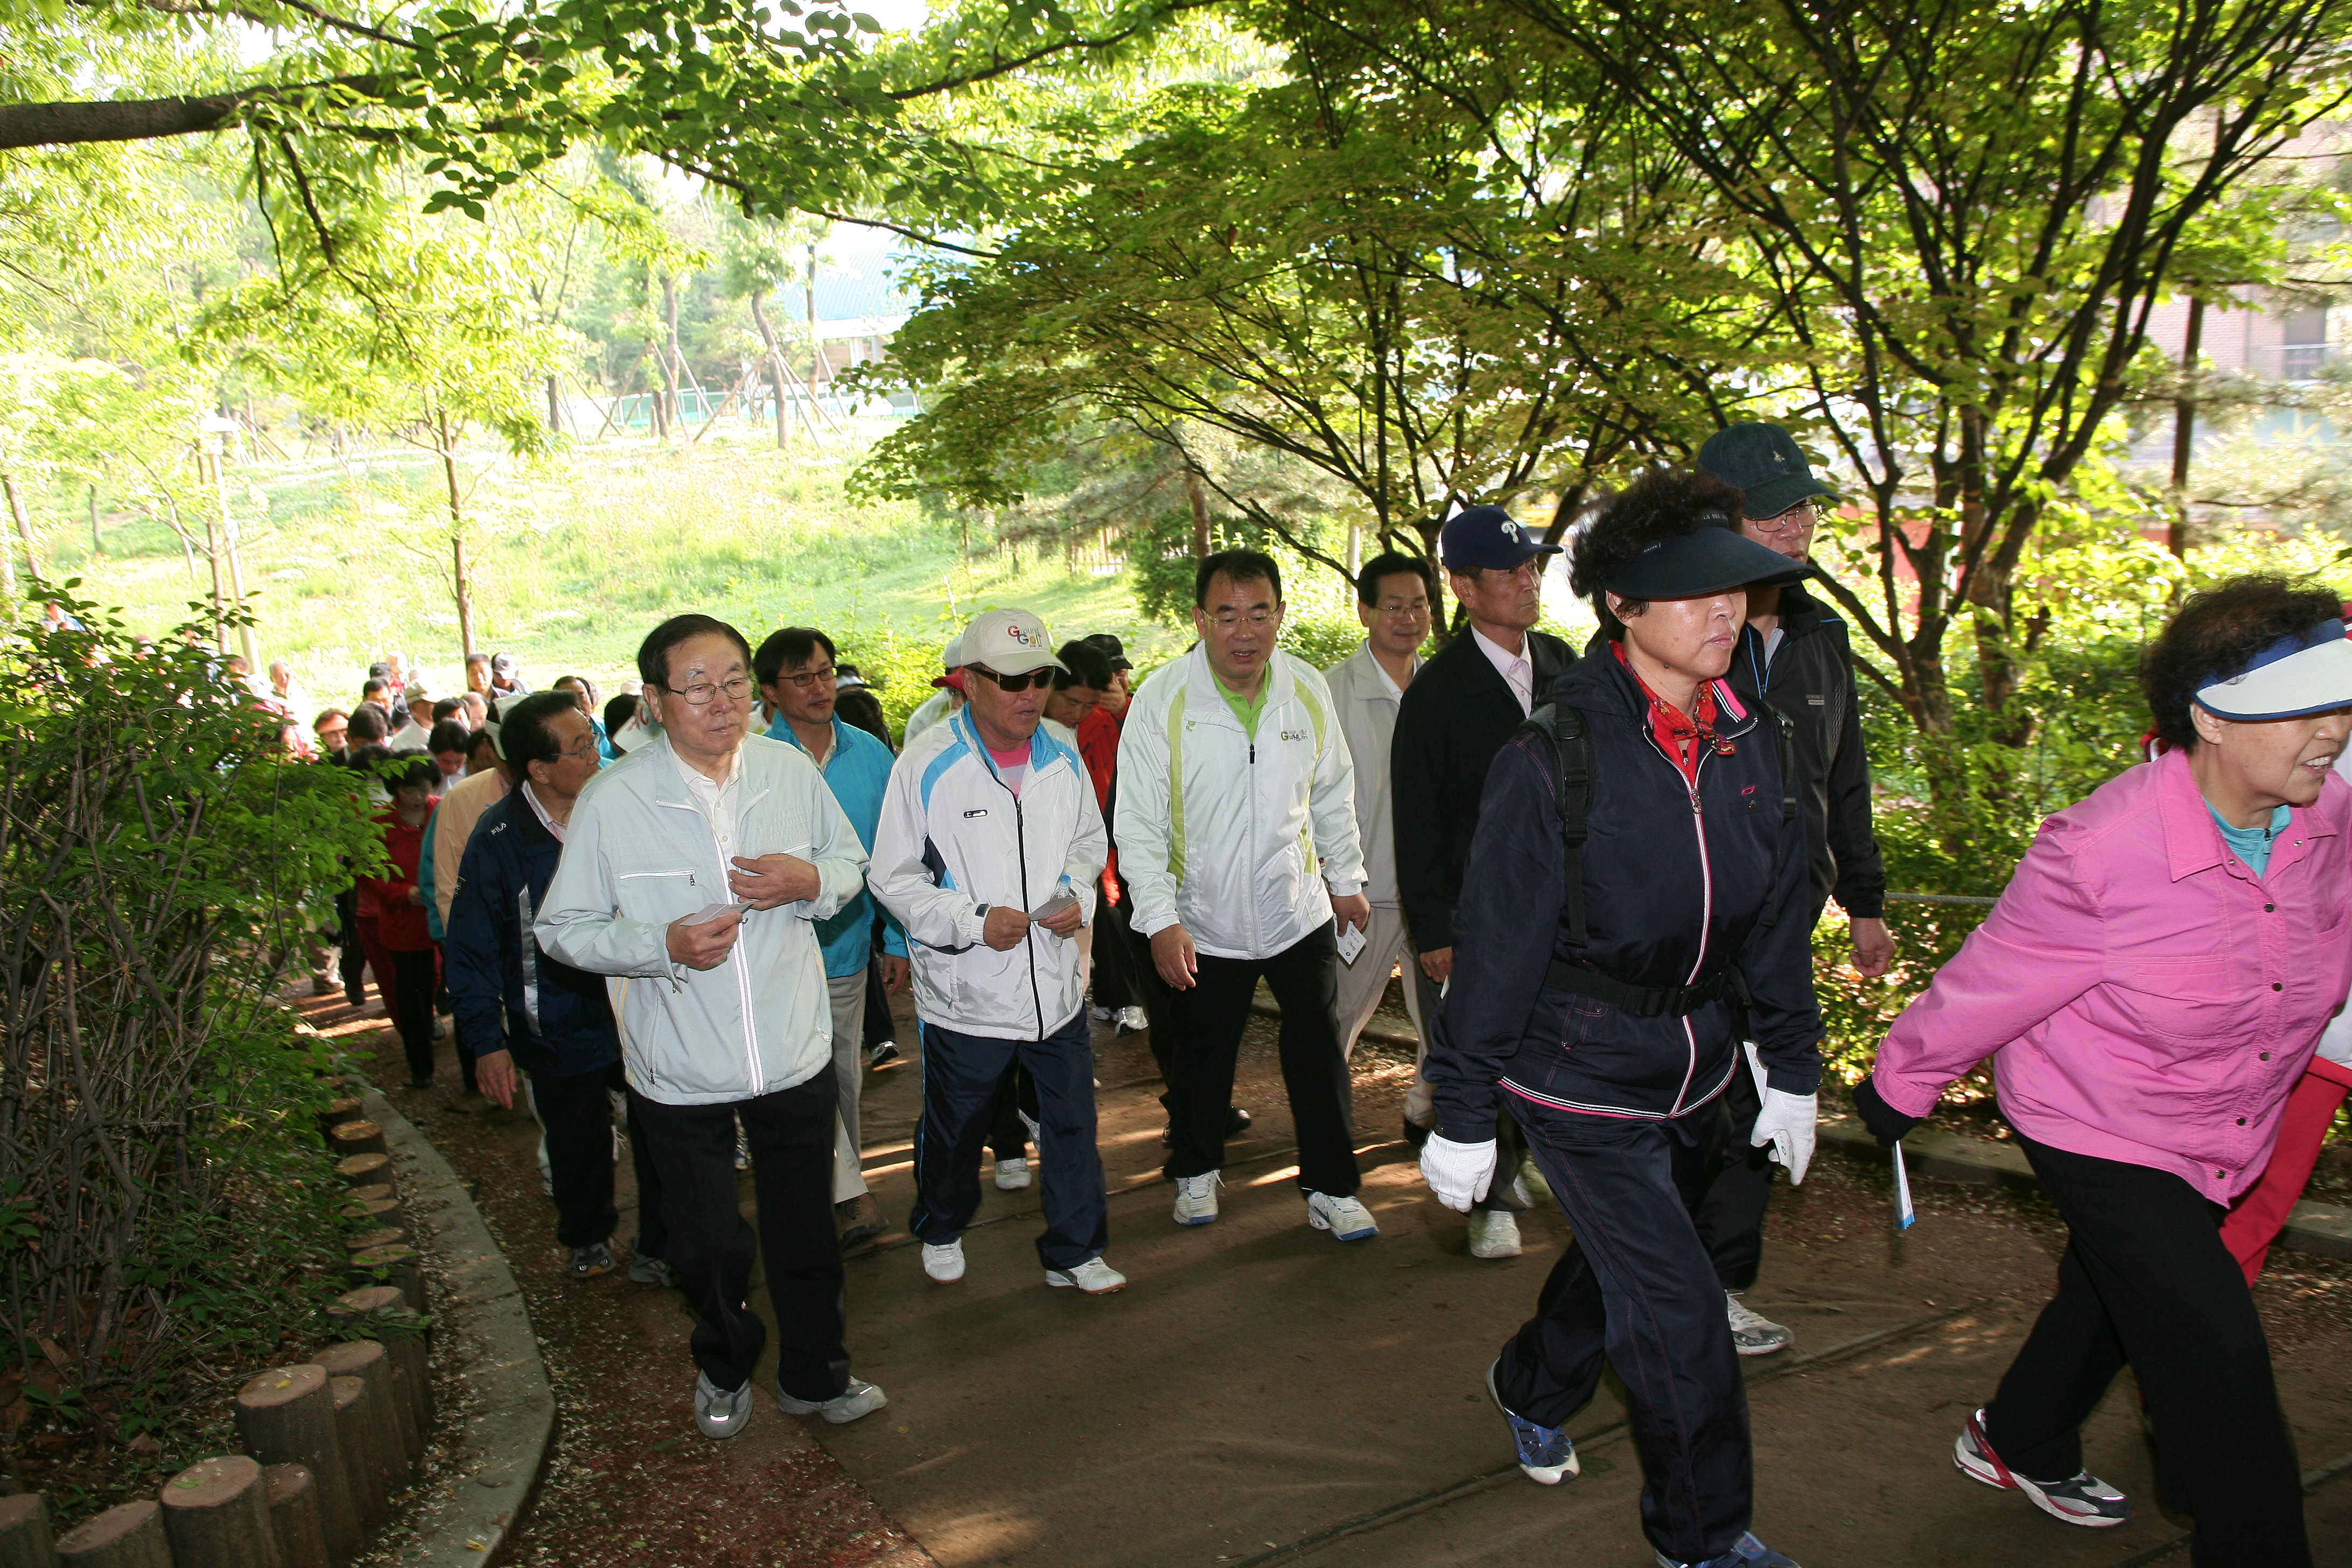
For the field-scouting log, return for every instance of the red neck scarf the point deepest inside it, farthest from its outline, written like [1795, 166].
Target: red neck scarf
[1684, 740]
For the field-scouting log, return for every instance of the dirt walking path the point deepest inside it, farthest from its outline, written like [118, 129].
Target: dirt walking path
[1262, 1393]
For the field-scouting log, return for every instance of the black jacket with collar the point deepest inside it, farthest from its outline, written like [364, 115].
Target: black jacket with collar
[1809, 678]
[1672, 894]
[554, 1018]
[1455, 716]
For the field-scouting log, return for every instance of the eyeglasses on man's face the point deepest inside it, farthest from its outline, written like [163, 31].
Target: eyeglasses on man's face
[703, 693]
[1042, 678]
[1258, 620]
[825, 675]
[581, 751]
[1799, 516]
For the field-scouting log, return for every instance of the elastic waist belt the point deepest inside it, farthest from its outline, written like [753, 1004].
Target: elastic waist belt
[1648, 1001]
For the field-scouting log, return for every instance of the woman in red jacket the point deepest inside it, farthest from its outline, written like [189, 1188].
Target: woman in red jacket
[400, 919]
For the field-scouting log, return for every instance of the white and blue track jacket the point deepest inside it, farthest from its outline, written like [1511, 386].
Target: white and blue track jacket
[952, 839]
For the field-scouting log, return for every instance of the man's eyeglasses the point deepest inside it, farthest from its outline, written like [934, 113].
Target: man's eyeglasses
[1042, 678]
[702, 693]
[1257, 620]
[1799, 516]
[809, 677]
[583, 752]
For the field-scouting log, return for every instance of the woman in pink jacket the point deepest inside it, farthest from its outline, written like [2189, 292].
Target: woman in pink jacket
[2150, 987]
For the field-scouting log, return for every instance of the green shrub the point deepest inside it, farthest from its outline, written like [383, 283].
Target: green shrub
[169, 1208]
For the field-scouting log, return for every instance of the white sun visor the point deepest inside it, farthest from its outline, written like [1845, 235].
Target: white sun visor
[2305, 673]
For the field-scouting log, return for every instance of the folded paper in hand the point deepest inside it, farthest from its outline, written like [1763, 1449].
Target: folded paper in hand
[704, 917]
[1351, 939]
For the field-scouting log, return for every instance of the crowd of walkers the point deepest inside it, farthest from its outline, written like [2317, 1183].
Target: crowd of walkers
[682, 914]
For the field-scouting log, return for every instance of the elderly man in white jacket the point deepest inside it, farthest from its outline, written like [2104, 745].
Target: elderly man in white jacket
[987, 852]
[694, 870]
[1236, 828]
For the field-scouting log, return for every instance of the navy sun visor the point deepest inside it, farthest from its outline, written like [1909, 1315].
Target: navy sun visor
[1707, 561]
[2301, 674]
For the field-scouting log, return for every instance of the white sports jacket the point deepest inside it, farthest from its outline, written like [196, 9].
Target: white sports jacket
[639, 854]
[1239, 850]
[952, 837]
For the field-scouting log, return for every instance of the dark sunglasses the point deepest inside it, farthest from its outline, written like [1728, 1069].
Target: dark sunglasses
[1041, 677]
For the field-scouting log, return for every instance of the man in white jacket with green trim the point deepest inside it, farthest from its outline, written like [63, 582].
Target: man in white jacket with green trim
[1236, 828]
[693, 871]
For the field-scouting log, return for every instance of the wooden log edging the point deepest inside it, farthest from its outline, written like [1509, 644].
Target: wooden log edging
[496, 1422]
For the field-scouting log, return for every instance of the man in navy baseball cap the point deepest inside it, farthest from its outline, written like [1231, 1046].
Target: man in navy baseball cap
[1764, 464]
[1487, 536]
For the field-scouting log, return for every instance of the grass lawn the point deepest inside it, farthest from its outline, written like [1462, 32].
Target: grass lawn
[578, 558]
[575, 559]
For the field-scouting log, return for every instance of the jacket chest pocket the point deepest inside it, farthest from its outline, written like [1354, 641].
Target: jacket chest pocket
[659, 895]
[2191, 1000]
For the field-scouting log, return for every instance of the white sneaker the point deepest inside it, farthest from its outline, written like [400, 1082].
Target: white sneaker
[718, 1413]
[1196, 1198]
[860, 1398]
[1013, 1175]
[944, 1264]
[1094, 1277]
[1345, 1218]
[1133, 1020]
[1753, 1334]
[743, 1149]
[1100, 1014]
[1494, 1233]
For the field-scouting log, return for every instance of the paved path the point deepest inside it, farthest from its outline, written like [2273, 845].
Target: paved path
[1262, 1393]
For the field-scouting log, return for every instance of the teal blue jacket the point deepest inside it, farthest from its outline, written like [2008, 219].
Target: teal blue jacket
[857, 770]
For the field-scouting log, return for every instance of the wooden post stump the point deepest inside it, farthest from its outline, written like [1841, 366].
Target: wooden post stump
[294, 1515]
[369, 1192]
[398, 1266]
[129, 1536]
[366, 1360]
[217, 1515]
[336, 1113]
[386, 1213]
[350, 1138]
[382, 1236]
[352, 1306]
[25, 1532]
[355, 1429]
[287, 1416]
[364, 1170]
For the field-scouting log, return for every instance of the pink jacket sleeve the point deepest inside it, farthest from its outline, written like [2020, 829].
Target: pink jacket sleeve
[2042, 947]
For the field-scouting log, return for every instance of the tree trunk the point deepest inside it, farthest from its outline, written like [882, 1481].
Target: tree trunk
[460, 584]
[816, 348]
[229, 551]
[775, 365]
[97, 545]
[673, 363]
[24, 531]
[2184, 429]
[554, 404]
[1199, 513]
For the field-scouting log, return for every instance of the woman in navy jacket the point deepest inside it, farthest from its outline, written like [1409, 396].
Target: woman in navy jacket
[1605, 986]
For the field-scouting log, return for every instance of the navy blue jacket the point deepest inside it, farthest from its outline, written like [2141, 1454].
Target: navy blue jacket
[1675, 882]
[556, 1019]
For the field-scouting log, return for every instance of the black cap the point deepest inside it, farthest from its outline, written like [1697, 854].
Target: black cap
[1110, 648]
[1486, 536]
[1706, 562]
[1762, 462]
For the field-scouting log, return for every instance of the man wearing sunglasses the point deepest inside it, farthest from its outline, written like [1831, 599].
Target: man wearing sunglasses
[1237, 825]
[693, 876]
[988, 850]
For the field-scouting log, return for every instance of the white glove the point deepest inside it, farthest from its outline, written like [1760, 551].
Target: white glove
[1458, 1173]
[1787, 1123]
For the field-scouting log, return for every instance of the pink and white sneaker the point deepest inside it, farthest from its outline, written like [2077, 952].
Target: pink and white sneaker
[2086, 1499]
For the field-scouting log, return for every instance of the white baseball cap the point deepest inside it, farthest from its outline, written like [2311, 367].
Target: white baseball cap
[2300, 674]
[951, 656]
[1010, 642]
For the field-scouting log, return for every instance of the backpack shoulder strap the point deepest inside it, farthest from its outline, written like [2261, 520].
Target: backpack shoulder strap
[1572, 747]
[1786, 731]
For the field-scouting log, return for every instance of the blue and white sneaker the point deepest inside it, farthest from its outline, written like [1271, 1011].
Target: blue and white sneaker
[1745, 1552]
[1345, 1218]
[1544, 1452]
[2084, 1499]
